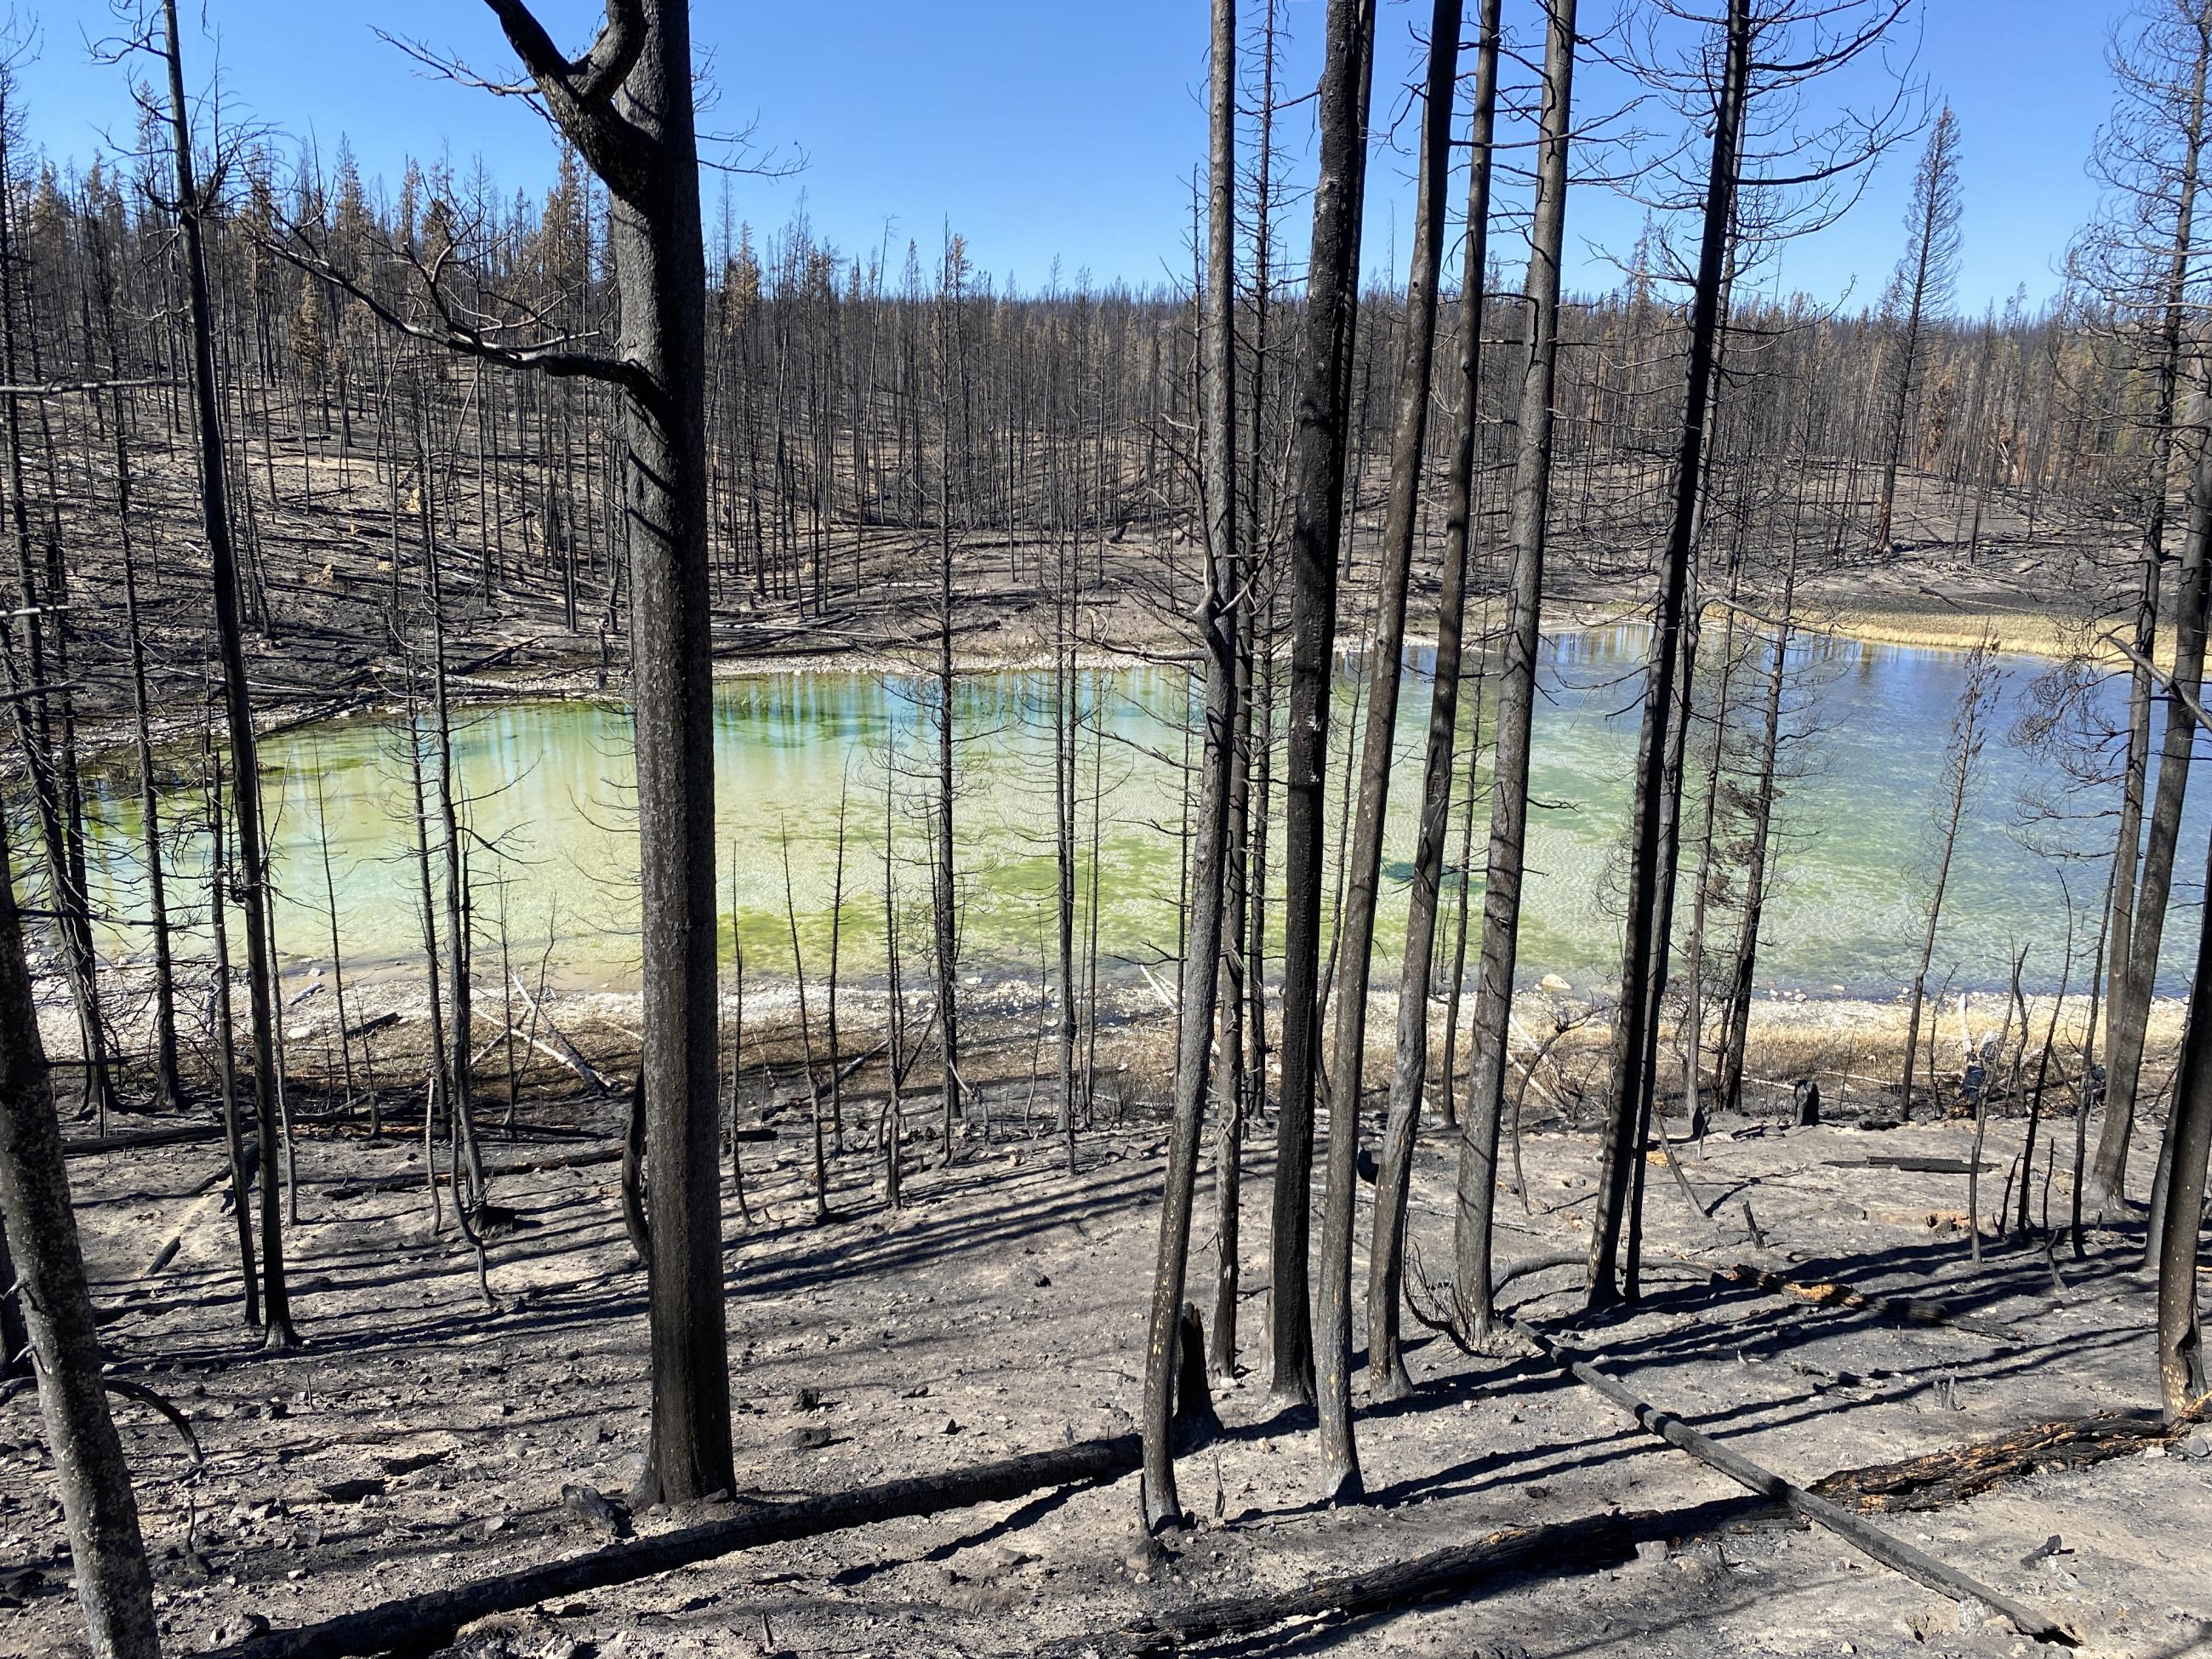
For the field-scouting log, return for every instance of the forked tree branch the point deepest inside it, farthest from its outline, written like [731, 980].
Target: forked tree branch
[579, 94]
[555, 357]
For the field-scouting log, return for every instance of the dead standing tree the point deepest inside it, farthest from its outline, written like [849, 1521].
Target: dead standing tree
[1658, 778]
[194, 203]
[1477, 1182]
[113, 1585]
[1356, 920]
[1962, 765]
[626, 106]
[1386, 1366]
[1217, 625]
[1317, 484]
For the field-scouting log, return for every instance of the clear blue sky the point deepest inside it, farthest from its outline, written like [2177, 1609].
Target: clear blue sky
[1042, 129]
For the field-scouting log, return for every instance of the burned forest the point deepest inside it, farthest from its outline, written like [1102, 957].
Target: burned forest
[1448, 901]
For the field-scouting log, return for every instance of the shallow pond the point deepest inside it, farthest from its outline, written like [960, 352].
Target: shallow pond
[553, 852]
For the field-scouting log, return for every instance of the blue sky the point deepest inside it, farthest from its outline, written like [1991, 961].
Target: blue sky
[1051, 129]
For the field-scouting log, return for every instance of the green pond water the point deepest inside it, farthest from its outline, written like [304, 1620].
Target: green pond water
[548, 787]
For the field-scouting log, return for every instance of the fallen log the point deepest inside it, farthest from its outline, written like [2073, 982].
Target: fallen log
[1597, 1543]
[1590, 1545]
[1827, 1293]
[1958, 1473]
[1914, 1562]
[526, 1166]
[418, 1625]
[176, 1134]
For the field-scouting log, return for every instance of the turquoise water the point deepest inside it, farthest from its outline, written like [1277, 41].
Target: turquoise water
[549, 789]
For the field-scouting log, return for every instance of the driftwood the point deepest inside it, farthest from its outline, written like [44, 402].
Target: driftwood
[558, 1047]
[1826, 1293]
[1862, 1535]
[1960, 1472]
[422, 1624]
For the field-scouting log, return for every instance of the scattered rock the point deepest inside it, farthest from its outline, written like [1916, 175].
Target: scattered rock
[951, 1427]
[244, 1627]
[603, 1512]
[1144, 1557]
[2197, 1442]
[1971, 1612]
[352, 1491]
[813, 1436]
[997, 1561]
[806, 1400]
[1652, 1550]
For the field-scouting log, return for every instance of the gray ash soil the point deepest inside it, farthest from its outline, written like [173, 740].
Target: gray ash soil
[420, 1439]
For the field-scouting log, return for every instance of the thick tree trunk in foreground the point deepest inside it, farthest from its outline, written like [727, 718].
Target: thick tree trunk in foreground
[1356, 921]
[2130, 1002]
[113, 1584]
[1477, 1184]
[1317, 484]
[1665, 696]
[2129, 1018]
[1386, 1254]
[2183, 1375]
[1217, 623]
[627, 106]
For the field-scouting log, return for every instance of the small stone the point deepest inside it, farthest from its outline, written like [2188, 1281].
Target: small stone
[242, 1628]
[1971, 1612]
[1652, 1549]
[1144, 1557]
[2197, 1442]
[806, 1400]
[951, 1427]
[1042, 1281]
[352, 1491]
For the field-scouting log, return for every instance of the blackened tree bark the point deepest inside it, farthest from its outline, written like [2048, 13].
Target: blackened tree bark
[2130, 1001]
[2182, 1374]
[1217, 624]
[2130, 1011]
[113, 1586]
[2183, 1380]
[1386, 1366]
[1356, 921]
[251, 871]
[1658, 784]
[626, 105]
[1317, 484]
[1477, 1183]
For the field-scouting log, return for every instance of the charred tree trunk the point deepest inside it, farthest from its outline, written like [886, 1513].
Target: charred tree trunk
[1386, 1366]
[238, 703]
[113, 1586]
[1477, 1183]
[1356, 921]
[1317, 466]
[1658, 781]
[1217, 622]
